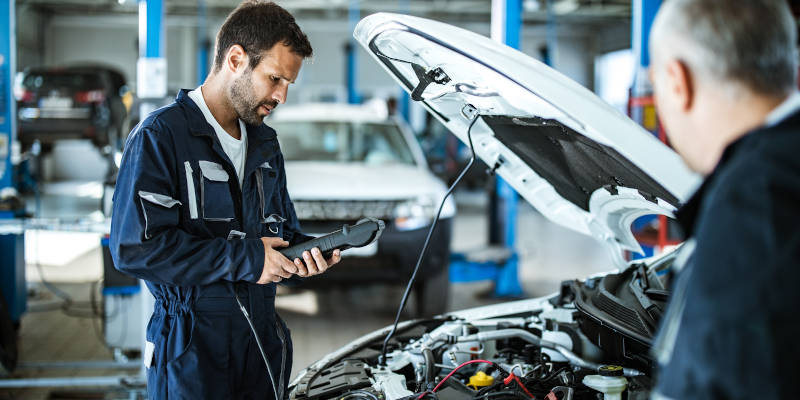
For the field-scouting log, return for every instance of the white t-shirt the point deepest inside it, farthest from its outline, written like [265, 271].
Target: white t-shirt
[235, 149]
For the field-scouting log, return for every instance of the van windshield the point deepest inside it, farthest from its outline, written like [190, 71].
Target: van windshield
[337, 141]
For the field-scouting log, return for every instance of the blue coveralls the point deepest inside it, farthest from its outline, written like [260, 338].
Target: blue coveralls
[178, 218]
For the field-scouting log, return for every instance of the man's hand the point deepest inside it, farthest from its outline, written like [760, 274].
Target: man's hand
[276, 266]
[315, 264]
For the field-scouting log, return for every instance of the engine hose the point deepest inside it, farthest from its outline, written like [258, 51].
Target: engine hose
[573, 358]
[430, 367]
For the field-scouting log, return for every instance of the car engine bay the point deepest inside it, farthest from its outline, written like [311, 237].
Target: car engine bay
[591, 340]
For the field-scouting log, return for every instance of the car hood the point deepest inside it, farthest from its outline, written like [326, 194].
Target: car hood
[577, 160]
[316, 180]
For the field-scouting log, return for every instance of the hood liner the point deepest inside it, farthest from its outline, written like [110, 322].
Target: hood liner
[575, 165]
[576, 157]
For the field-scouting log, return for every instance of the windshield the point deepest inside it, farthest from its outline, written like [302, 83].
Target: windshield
[337, 141]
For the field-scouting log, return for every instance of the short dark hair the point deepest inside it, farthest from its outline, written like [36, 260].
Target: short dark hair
[257, 26]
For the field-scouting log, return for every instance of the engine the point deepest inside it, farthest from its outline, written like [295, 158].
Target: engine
[590, 341]
[543, 356]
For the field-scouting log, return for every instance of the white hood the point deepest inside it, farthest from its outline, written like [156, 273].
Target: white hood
[581, 163]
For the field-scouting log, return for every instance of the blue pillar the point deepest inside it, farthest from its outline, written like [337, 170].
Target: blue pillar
[354, 14]
[203, 43]
[7, 101]
[644, 12]
[12, 261]
[151, 69]
[151, 29]
[551, 35]
[503, 220]
[642, 107]
[404, 104]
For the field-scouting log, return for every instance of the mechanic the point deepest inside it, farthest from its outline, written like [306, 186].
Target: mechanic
[200, 208]
[725, 79]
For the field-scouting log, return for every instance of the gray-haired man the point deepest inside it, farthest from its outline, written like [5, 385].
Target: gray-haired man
[724, 75]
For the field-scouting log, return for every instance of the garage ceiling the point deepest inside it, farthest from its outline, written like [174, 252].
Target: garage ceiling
[450, 10]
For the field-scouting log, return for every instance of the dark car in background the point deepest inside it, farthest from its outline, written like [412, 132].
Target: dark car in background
[76, 102]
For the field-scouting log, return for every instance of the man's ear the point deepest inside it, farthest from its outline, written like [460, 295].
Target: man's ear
[681, 84]
[236, 58]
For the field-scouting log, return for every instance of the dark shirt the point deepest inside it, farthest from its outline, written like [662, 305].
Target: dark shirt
[736, 302]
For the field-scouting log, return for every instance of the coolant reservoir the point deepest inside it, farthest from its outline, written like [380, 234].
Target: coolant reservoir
[610, 382]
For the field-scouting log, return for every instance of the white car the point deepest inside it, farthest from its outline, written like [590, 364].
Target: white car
[582, 165]
[346, 162]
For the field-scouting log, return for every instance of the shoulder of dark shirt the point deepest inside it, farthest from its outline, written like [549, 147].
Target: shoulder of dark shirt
[764, 156]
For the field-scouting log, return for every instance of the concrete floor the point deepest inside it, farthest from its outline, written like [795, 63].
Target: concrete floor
[320, 321]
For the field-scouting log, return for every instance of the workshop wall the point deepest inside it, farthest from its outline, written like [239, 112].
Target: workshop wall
[112, 39]
[30, 35]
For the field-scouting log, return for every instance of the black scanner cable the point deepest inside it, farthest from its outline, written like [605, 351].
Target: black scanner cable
[428, 239]
[258, 341]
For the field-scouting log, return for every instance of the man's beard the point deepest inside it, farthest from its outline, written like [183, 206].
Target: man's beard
[244, 102]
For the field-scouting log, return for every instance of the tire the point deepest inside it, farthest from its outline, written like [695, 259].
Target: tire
[433, 294]
[8, 339]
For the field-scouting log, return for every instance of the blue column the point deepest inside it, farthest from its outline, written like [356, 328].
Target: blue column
[642, 108]
[404, 105]
[503, 216]
[12, 261]
[644, 12]
[151, 29]
[7, 101]
[353, 14]
[551, 35]
[151, 68]
[203, 43]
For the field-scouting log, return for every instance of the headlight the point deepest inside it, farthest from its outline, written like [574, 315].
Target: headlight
[414, 214]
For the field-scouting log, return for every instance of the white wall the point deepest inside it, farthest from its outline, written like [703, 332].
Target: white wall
[30, 46]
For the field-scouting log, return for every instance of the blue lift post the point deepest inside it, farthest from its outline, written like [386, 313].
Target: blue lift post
[12, 246]
[404, 105]
[642, 107]
[504, 222]
[351, 53]
[203, 43]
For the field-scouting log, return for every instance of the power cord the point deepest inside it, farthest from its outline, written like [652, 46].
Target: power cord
[427, 240]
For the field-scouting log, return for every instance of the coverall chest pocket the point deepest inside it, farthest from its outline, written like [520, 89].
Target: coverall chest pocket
[215, 194]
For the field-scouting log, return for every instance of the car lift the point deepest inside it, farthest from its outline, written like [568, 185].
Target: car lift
[500, 262]
[12, 265]
[641, 108]
[151, 70]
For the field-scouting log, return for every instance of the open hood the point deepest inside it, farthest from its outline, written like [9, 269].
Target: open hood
[577, 160]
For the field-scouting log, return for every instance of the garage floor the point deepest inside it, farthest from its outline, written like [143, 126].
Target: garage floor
[320, 322]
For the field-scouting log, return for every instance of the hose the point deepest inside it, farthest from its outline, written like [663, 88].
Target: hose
[571, 357]
[430, 367]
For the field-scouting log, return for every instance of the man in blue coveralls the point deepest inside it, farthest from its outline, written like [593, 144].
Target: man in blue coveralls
[201, 209]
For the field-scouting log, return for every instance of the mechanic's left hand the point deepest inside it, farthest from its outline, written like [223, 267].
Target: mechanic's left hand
[315, 264]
